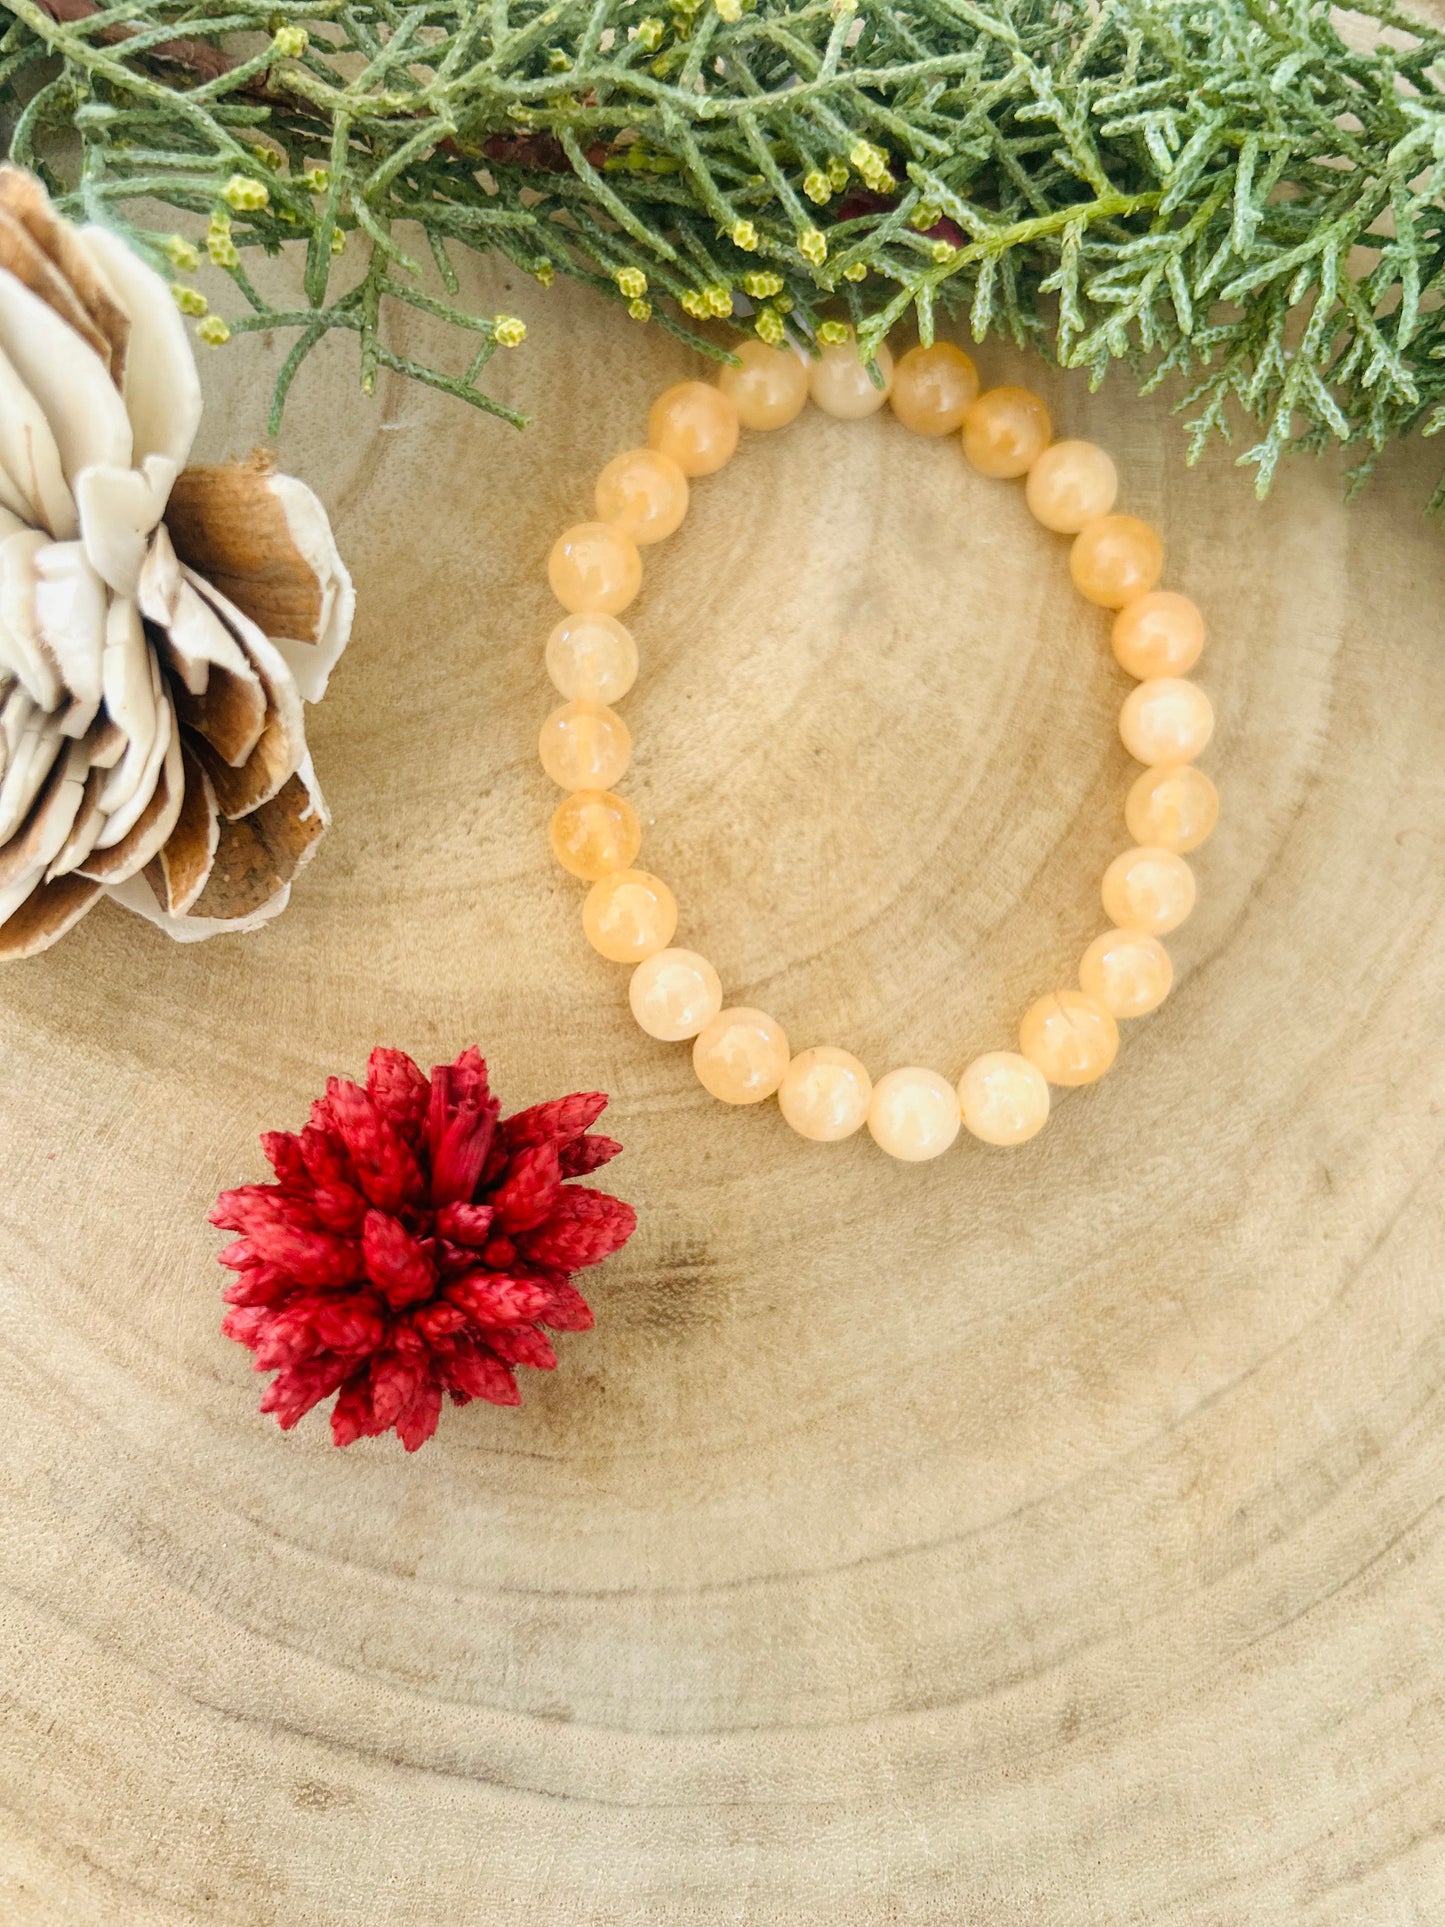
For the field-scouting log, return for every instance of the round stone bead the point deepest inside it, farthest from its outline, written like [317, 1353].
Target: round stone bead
[642, 492]
[1070, 484]
[1159, 634]
[594, 567]
[740, 1057]
[591, 658]
[1005, 431]
[1148, 889]
[842, 385]
[769, 387]
[1070, 1037]
[1127, 971]
[934, 388]
[629, 915]
[825, 1094]
[1166, 720]
[585, 746]
[913, 1114]
[1115, 559]
[696, 424]
[1004, 1098]
[1173, 806]
[674, 994]
[594, 833]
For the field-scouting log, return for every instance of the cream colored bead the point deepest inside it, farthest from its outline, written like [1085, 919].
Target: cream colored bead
[1071, 1037]
[585, 746]
[674, 994]
[913, 1114]
[769, 387]
[1166, 720]
[629, 915]
[1070, 484]
[1005, 432]
[1115, 559]
[825, 1094]
[1174, 806]
[1127, 971]
[740, 1057]
[594, 567]
[591, 658]
[1159, 634]
[934, 388]
[696, 425]
[1148, 889]
[595, 832]
[842, 385]
[644, 493]
[1004, 1098]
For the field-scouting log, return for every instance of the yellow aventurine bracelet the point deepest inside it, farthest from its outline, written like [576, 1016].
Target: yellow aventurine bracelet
[741, 1055]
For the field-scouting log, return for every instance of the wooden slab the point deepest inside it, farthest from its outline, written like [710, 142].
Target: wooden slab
[1030, 1539]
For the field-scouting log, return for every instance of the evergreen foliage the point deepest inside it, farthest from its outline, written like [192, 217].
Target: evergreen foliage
[1226, 190]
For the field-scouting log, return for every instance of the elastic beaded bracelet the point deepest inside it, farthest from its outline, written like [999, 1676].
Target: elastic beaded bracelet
[742, 1056]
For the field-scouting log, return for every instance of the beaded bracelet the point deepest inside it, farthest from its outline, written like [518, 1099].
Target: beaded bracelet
[742, 1055]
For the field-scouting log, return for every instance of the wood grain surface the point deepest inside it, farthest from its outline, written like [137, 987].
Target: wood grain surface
[1030, 1539]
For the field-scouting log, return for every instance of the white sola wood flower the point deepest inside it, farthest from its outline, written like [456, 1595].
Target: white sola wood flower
[160, 626]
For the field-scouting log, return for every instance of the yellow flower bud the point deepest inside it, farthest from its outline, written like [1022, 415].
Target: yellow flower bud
[942, 251]
[813, 246]
[289, 43]
[632, 282]
[834, 332]
[769, 326]
[719, 300]
[317, 179]
[760, 286]
[213, 331]
[222, 250]
[855, 271]
[729, 10]
[640, 310]
[649, 33]
[545, 273]
[745, 236]
[181, 255]
[508, 331]
[188, 300]
[817, 186]
[244, 194]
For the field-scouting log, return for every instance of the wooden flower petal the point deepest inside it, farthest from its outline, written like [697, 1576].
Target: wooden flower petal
[265, 542]
[24, 199]
[282, 742]
[27, 770]
[48, 822]
[88, 824]
[24, 652]
[46, 914]
[179, 870]
[32, 481]
[114, 862]
[260, 853]
[22, 255]
[67, 377]
[161, 388]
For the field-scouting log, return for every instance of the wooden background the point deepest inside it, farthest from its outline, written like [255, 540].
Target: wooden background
[1029, 1539]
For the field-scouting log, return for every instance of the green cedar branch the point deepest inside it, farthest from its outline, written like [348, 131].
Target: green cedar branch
[1228, 192]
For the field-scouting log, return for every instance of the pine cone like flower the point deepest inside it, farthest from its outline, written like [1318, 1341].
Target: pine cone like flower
[413, 1244]
[161, 625]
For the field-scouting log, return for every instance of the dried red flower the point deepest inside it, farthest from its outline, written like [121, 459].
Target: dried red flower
[414, 1245]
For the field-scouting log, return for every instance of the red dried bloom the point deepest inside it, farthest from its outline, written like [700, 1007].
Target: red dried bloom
[414, 1245]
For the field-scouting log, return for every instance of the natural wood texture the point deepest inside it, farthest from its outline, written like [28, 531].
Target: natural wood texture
[1032, 1539]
